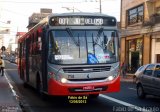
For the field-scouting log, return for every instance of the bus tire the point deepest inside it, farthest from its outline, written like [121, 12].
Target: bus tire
[93, 95]
[25, 85]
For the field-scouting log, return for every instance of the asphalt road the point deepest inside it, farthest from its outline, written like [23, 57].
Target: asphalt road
[123, 101]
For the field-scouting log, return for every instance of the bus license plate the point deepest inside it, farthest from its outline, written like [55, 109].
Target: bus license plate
[88, 88]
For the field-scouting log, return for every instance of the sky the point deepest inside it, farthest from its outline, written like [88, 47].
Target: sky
[18, 11]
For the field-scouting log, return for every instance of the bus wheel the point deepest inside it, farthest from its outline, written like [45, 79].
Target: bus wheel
[40, 89]
[25, 85]
[93, 95]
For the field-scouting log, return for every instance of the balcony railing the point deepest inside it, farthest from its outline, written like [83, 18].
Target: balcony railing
[150, 0]
[154, 19]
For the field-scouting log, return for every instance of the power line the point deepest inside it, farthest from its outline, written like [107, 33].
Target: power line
[8, 24]
[4, 27]
[3, 22]
[37, 2]
[17, 13]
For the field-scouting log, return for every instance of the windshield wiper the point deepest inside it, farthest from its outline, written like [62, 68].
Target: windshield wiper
[79, 45]
[95, 42]
[98, 35]
[72, 37]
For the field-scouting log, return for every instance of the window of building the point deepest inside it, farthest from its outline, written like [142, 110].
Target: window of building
[158, 10]
[158, 58]
[158, 40]
[135, 15]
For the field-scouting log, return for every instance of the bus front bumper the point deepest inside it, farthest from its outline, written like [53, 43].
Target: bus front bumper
[57, 88]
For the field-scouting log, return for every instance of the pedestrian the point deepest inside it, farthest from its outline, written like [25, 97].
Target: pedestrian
[2, 65]
[123, 69]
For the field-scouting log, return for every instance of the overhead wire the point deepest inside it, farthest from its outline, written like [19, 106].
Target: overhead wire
[13, 12]
[37, 2]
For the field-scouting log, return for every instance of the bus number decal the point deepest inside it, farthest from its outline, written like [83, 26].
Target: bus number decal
[63, 57]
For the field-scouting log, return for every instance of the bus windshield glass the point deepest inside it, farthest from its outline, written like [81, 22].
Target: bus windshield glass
[72, 46]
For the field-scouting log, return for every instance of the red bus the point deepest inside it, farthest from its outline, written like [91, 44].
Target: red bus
[71, 54]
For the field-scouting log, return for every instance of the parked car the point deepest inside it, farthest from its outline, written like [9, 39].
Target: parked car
[16, 60]
[12, 59]
[138, 72]
[148, 82]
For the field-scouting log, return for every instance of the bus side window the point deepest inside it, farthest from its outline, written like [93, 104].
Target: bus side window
[33, 44]
[24, 48]
[19, 50]
[38, 42]
[30, 45]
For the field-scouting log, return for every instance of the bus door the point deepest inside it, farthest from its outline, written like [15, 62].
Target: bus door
[20, 60]
[44, 58]
[27, 58]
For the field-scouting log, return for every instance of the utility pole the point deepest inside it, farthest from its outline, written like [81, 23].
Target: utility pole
[73, 9]
[100, 6]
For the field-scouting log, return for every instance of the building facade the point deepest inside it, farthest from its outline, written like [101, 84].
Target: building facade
[140, 32]
[37, 17]
[5, 28]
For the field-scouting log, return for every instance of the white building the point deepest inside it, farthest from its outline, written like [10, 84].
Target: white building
[5, 28]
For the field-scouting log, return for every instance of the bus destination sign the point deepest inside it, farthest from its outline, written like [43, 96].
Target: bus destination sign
[82, 21]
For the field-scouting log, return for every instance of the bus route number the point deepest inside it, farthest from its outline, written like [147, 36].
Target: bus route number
[80, 21]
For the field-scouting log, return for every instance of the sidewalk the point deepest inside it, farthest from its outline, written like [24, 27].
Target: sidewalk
[128, 78]
[8, 102]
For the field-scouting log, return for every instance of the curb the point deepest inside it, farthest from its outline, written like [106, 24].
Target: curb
[17, 107]
[126, 80]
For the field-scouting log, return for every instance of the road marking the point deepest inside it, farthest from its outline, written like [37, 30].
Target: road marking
[11, 69]
[10, 85]
[133, 89]
[21, 103]
[131, 106]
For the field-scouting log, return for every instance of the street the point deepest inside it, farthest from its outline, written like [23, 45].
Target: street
[125, 100]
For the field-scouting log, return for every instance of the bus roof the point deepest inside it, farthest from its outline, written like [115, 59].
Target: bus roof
[46, 20]
[80, 14]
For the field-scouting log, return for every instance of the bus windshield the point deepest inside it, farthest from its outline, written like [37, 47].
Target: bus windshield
[72, 46]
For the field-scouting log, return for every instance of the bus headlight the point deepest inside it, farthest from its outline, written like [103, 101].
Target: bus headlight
[63, 80]
[110, 78]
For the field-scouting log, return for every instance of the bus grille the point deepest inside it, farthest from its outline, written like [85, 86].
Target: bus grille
[86, 69]
[90, 79]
